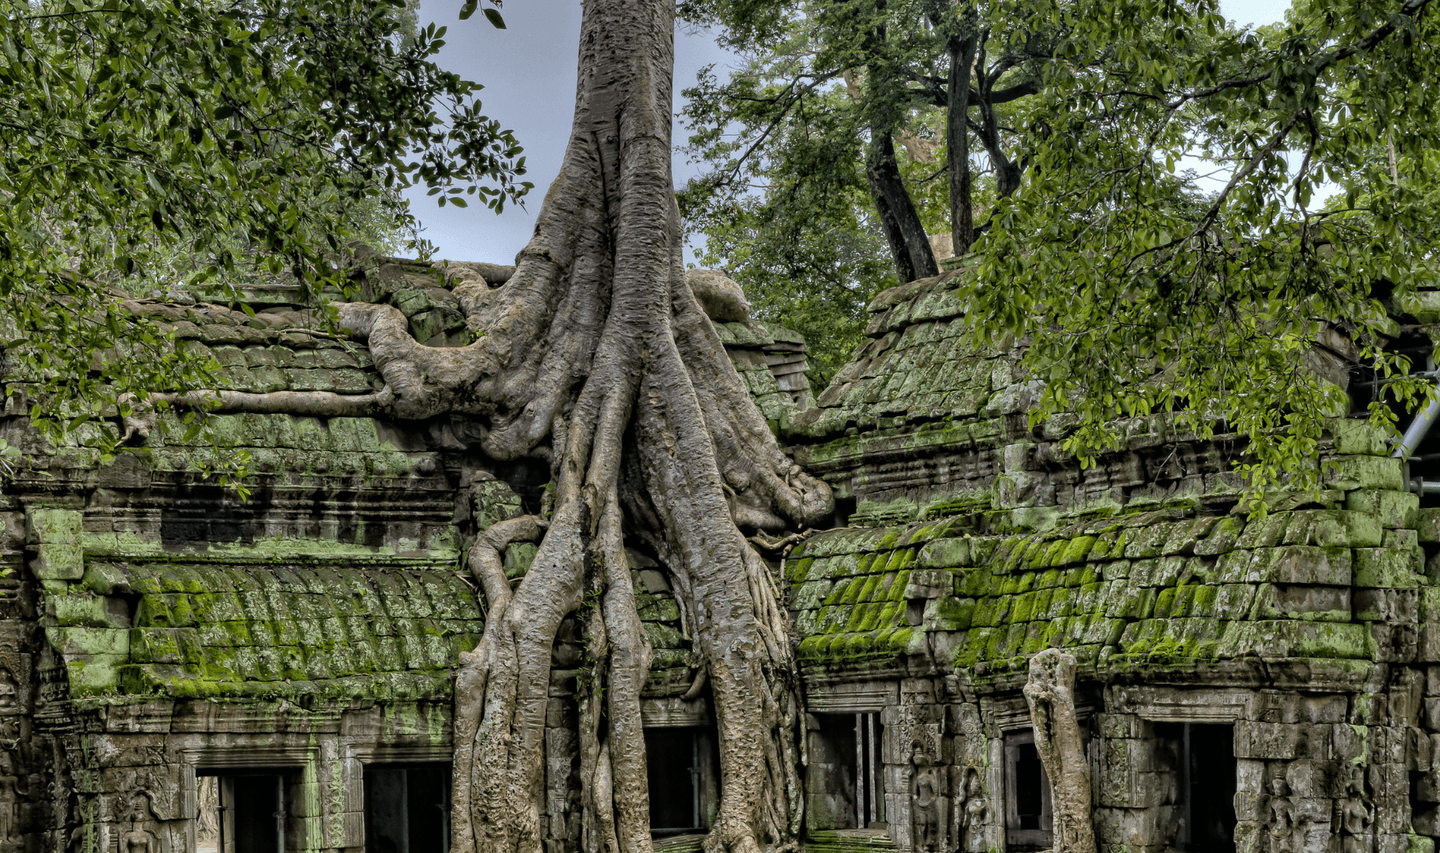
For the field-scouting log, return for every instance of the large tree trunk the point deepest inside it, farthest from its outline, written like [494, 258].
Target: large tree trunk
[960, 47]
[596, 356]
[637, 396]
[909, 244]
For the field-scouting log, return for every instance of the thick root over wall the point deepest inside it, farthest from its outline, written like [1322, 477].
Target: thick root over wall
[597, 356]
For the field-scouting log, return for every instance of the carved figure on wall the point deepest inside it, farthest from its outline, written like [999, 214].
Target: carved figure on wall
[139, 839]
[1282, 818]
[9, 691]
[976, 810]
[1355, 815]
[925, 799]
[13, 789]
[1050, 692]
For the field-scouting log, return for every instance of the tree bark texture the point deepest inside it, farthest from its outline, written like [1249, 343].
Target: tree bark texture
[909, 242]
[1050, 693]
[596, 356]
[961, 49]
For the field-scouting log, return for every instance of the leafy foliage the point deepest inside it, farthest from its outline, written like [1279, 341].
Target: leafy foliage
[790, 137]
[1139, 287]
[1209, 311]
[214, 137]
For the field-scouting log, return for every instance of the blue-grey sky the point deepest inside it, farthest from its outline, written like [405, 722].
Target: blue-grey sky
[528, 71]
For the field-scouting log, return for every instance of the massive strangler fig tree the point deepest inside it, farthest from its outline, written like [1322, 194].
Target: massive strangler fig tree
[597, 356]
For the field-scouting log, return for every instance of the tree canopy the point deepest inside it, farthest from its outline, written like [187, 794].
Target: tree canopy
[1137, 285]
[865, 125]
[1131, 308]
[162, 144]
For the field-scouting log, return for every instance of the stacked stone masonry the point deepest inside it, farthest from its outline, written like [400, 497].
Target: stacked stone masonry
[1253, 683]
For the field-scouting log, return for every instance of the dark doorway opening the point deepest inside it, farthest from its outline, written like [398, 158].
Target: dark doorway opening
[249, 811]
[844, 787]
[1029, 824]
[407, 808]
[1205, 784]
[677, 762]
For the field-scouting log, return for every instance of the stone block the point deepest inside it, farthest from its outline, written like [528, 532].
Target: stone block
[1290, 601]
[94, 675]
[1353, 436]
[1395, 643]
[1281, 741]
[1121, 726]
[1313, 781]
[1388, 568]
[1387, 605]
[1249, 805]
[1426, 521]
[1294, 564]
[1348, 743]
[1399, 538]
[126, 471]
[48, 526]
[1363, 472]
[1388, 744]
[89, 641]
[1418, 755]
[1426, 821]
[1426, 788]
[59, 561]
[1330, 527]
[1250, 776]
[89, 611]
[1222, 537]
[946, 553]
[1247, 836]
[1387, 507]
[1139, 827]
[1321, 709]
[1281, 638]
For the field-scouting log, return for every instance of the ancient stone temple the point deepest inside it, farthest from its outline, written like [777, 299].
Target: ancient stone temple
[182, 670]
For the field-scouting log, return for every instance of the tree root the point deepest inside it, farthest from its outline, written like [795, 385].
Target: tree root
[1050, 693]
[596, 356]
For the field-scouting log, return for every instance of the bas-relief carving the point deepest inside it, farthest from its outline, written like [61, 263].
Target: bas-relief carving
[12, 682]
[139, 838]
[1355, 814]
[971, 815]
[926, 798]
[919, 744]
[1281, 827]
[12, 791]
[974, 810]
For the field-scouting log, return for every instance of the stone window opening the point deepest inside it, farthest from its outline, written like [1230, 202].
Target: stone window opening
[407, 808]
[680, 763]
[1029, 824]
[844, 784]
[249, 812]
[1199, 759]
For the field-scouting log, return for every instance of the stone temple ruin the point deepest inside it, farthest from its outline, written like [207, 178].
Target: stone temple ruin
[183, 671]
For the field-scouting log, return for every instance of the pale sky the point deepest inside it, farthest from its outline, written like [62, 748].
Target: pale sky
[528, 71]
